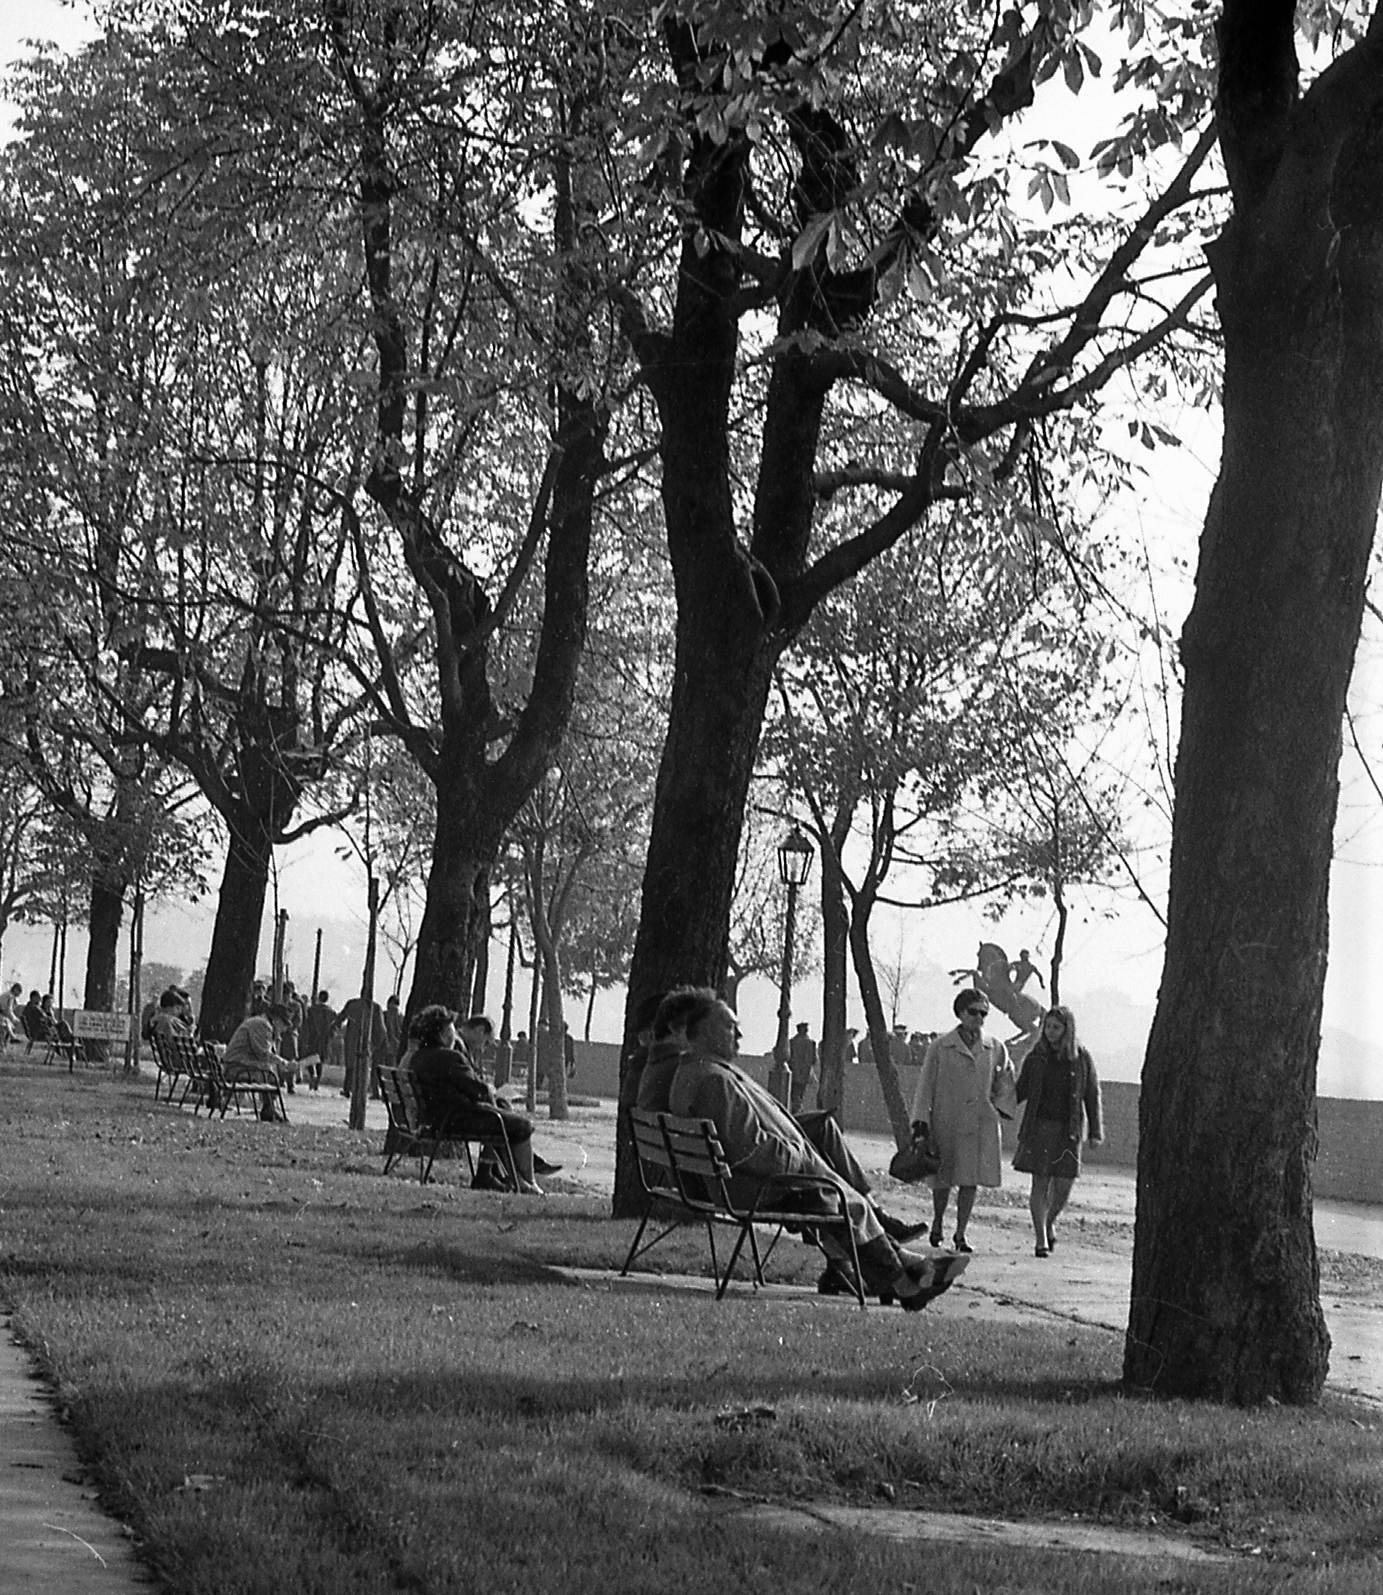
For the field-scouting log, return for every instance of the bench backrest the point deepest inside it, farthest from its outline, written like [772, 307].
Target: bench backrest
[178, 1054]
[687, 1150]
[401, 1099]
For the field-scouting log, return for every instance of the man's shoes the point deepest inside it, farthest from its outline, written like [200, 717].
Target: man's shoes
[542, 1166]
[897, 1230]
[834, 1281]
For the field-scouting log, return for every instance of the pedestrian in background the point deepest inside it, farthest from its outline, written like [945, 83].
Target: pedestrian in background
[802, 1062]
[1062, 1092]
[962, 1072]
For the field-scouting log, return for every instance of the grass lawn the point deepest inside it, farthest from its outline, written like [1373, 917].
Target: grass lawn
[288, 1373]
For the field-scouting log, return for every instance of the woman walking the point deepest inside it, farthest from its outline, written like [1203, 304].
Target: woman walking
[963, 1073]
[1059, 1085]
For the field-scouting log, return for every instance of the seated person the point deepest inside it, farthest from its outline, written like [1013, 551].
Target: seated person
[631, 1072]
[761, 1138]
[170, 1018]
[447, 1080]
[252, 1053]
[668, 1048]
[11, 1028]
[36, 1025]
[60, 1027]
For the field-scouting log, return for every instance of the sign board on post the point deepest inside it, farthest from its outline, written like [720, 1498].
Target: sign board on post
[89, 1025]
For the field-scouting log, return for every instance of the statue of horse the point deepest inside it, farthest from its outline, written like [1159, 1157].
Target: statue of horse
[991, 976]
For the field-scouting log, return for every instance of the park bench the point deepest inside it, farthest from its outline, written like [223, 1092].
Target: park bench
[412, 1134]
[687, 1178]
[198, 1066]
[230, 1093]
[179, 1058]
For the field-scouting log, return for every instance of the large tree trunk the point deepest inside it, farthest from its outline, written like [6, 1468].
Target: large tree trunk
[230, 969]
[1225, 1279]
[456, 914]
[107, 909]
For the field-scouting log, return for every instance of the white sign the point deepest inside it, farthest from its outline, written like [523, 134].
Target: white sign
[88, 1024]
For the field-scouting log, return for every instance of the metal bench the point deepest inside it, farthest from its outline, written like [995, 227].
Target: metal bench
[688, 1179]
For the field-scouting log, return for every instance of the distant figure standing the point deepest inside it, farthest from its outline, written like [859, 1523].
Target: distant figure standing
[393, 1027]
[849, 1048]
[1022, 969]
[314, 1040]
[802, 1062]
[352, 1021]
[1059, 1085]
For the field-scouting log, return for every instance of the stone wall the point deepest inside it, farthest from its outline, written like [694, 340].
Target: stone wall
[1349, 1163]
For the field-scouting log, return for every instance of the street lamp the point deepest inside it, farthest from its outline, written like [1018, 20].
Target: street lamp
[794, 865]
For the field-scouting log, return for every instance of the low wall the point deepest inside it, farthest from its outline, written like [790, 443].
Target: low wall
[1349, 1162]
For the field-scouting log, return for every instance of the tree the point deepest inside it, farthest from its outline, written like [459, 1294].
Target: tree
[22, 877]
[900, 717]
[810, 189]
[430, 187]
[83, 319]
[1225, 1300]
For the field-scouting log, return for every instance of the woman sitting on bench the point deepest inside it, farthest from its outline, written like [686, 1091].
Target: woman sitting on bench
[447, 1080]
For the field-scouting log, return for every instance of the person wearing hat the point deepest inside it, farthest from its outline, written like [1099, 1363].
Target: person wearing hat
[252, 1053]
[802, 1063]
[962, 1074]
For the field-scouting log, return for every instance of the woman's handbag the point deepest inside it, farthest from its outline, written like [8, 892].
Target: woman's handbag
[918, 1160]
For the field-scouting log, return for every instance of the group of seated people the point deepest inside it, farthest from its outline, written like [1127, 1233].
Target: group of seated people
[39, 1021]
[689, 1040]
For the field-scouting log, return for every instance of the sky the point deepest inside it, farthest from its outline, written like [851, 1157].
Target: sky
[1114, 946]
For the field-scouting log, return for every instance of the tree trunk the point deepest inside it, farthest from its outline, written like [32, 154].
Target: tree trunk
[1063, 913]
[230, 970]
[456, 913]
[103, 946]
[880, 1041]
[1225, 1277]
[835, 937]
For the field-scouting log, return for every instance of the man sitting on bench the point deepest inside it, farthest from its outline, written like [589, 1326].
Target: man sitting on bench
[760, 1137]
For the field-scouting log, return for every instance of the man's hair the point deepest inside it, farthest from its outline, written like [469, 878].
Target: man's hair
[702, 1002]
[280, 1011]
[478, 1021]
[428, 1023]
[323, 996]
[646, 1014]
[171, 999]
[681, 1005]
[964, 999]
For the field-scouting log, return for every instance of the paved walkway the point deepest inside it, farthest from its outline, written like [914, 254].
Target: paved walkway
[55, 1540]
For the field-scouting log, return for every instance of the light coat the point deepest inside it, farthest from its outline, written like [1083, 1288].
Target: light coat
[955, 1096]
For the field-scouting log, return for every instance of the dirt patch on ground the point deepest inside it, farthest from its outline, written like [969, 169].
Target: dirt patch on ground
[905, 1526]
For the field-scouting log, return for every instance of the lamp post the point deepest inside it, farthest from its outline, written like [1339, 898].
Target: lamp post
[795, 854]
